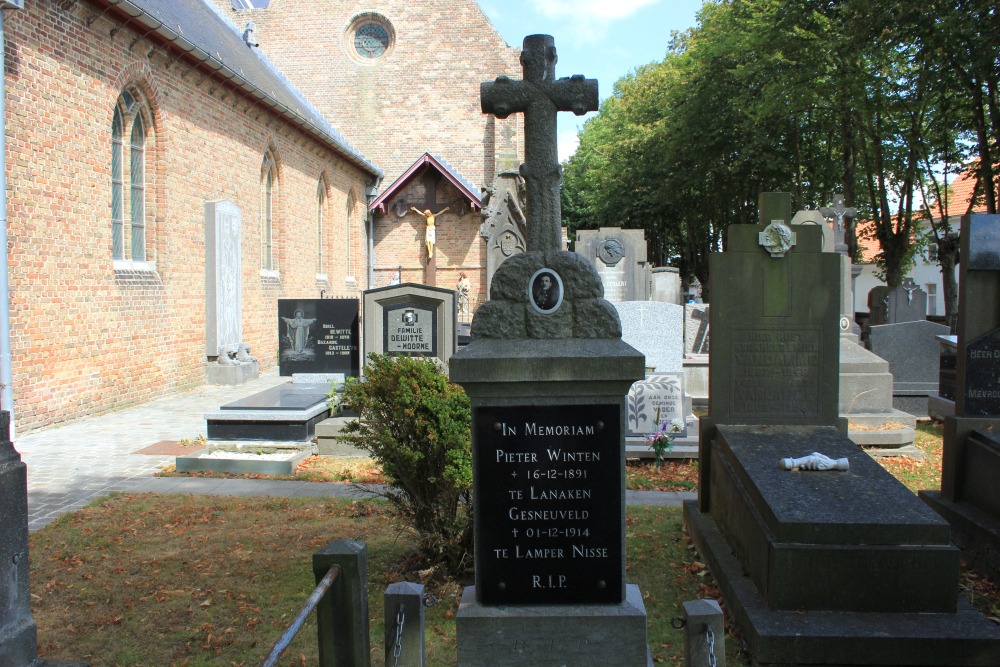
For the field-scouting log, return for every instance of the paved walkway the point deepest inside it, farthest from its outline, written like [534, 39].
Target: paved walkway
[70, 465]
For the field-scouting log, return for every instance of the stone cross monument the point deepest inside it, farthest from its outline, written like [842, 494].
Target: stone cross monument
[547, 374]
[540, 96]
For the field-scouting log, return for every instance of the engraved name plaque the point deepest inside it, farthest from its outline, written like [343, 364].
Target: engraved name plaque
[775, 372]
[410, 329]
[549, 505]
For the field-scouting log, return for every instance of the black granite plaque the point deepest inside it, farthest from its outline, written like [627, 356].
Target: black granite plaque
[549, 505]
[318, 336]
[982, 376]
[409, 329]
[984, 243]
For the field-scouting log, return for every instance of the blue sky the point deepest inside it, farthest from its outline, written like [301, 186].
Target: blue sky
[601, 39]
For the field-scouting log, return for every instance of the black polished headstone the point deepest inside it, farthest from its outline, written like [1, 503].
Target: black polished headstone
[288, 396]
[318, 336]
[984, 243]
[982, 376]
[549, 481]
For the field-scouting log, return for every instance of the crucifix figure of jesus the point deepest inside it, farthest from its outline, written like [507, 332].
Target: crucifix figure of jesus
[540, 96]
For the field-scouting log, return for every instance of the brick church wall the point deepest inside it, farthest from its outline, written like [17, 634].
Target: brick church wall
[85, 337]
[421, 96]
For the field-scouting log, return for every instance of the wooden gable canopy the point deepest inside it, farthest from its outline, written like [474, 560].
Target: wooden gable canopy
[419, 169]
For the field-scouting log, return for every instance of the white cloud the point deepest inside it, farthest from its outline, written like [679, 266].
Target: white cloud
[568, 141]
[590, 20]
[591, 10]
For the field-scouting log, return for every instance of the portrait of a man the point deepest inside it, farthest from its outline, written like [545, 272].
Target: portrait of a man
[545, 290]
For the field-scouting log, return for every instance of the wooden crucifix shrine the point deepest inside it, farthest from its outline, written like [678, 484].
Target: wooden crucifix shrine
[431, 209]
[540, 96]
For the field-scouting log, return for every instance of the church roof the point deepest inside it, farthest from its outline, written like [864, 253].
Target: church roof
[428, 161]
[209, 39]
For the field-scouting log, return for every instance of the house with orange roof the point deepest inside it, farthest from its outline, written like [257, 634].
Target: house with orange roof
[959, 200]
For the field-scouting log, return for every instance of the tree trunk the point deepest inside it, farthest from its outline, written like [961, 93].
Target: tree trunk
[947, 255]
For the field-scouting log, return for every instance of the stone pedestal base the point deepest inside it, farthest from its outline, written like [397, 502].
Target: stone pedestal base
[231, 375]
[865, 400]
[528, 636]
[328, 439]
[783, 638]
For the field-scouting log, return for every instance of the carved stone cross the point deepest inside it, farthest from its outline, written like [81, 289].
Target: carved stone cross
[540, 96]
[838, 212]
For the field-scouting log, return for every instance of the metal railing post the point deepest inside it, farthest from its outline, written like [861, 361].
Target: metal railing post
[342, 614]
[704, 634]
[404, 625]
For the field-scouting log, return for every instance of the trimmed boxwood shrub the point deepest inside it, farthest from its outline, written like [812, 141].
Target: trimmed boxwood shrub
[417, 425]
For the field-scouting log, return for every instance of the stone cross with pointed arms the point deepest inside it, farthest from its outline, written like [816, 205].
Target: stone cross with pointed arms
[539, 96]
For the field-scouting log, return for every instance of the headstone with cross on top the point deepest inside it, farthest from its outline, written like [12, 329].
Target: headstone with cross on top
[547, 374]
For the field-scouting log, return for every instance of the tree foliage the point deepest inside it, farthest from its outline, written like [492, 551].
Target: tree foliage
[872, 99]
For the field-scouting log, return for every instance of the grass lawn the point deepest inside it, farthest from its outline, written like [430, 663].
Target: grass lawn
[160, 581]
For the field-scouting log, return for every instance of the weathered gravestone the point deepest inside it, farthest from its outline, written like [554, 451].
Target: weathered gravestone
[318, 336]
[18, 635]
[656, 329]
[18, 638]
[665, 285]
[411, 320]
[913, 352]
[970, 468]
[547, 373]
[619, 255]
[891, 305]
[227, 362]
[816, 567]
[697, 343]
[866, 385]
[504, 224]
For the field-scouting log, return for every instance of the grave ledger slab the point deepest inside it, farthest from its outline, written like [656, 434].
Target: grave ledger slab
[970, 467]
[817, 568]
[546, 373]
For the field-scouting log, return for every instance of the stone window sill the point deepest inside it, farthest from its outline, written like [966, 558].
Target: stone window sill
[129, 265]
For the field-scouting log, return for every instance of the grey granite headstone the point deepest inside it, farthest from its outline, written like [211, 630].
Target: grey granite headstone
[913, 352]
[655, 329]
[18, 637]
[223, 277]
[906, 303]
[696, 328]
[619, 255]
[411, 320]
